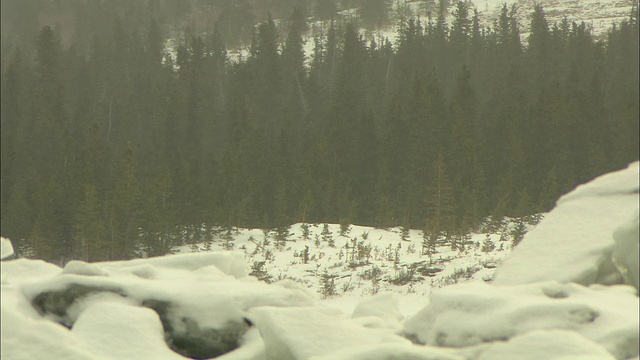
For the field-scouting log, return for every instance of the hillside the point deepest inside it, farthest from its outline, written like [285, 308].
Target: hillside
[599, 14]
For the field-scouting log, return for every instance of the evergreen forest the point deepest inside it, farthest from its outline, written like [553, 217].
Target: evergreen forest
[114, 147]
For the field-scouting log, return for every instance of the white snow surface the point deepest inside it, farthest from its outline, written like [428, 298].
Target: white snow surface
[108, 330]
[575, 241]
[6, 249]
[625, 253]
[547, 344]
[381, 310]
[301, 333]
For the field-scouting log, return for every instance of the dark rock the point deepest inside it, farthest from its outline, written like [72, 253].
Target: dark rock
[184, 336]
[58, 302]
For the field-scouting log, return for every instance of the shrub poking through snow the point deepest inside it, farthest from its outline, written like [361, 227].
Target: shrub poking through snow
[258, 270]
[227, 240]
[404, 233]
[518, 232]
[488, 245]
[306, 233]
[345, 228]
[282, 236]
[404, 276]
[327, 284]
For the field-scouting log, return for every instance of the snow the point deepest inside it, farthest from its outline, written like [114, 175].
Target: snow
[6, 249]
[230, 263]
[25, 335]
[392, 352]
[197, 296]
[474, 313]
[109, 329]
[301, 333]
[547, 344]
[82, 268]
[545, 301]
[599, 14]
[252, 348]
[575, 241]
[625, 253]
[383, 307]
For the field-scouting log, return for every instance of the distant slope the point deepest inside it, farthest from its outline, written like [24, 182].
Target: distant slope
[600, 14]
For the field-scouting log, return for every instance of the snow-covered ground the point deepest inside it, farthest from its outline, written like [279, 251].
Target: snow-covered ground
[598, 15]
[362, 261]
[321, 305]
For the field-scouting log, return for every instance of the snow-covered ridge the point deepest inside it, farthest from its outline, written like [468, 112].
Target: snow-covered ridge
[574, 242]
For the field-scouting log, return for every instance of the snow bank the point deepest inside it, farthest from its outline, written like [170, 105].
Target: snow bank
[471, 314]
[194, 304]
[304, 332]
[575, 241]
[25, 270]
[548, 345]
[82, 268]
[6, 249]
[26, 335]
[117, 331]
[229, 262]
[392, 352]
[625, 254]
[383, 307]
[204, 305]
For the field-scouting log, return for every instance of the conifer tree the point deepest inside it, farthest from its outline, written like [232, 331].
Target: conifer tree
[375, 13]
[90, 230]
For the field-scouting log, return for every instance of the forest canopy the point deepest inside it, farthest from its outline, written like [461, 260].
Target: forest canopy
[111, 146]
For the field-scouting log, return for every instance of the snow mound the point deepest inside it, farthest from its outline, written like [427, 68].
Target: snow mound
[625, 254]
[549, 345]
[231, 263]
[20, 270]
[303, 332]
[575, 241]
[6, 249]
[110, 329]
[82, 268]
[26, 335]
[383, 307]
[470, 314]
[198, 303]
[392, 352]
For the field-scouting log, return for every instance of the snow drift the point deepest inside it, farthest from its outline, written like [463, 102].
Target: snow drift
[549, 299]
[576, 240]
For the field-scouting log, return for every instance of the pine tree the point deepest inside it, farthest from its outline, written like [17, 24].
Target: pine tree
[440, 205]
[325, 9]
[375, 13]
[123, 209]
[460, 32]
[90, 230]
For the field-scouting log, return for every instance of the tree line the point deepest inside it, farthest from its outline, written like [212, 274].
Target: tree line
[112, 148]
